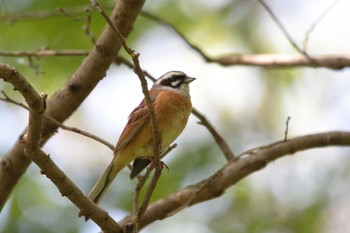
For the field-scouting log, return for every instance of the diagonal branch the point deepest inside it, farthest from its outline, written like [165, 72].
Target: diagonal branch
[317, 22]
[225, 148]
[182, 36]
[31, 142]
[283, 29]
[236, 170]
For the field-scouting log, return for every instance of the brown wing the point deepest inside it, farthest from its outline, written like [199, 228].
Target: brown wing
[138, 118]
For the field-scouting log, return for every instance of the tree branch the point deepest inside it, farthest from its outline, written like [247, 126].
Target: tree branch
[317, 22]
[45, 53]
[6, 98]
[236, 170]
[225, 148]
[333, 61]
[283, 29]
[37, 15]
[182, 36]
[31, 141]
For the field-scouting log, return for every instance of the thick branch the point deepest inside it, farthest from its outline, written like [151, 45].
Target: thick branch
[72, 192]
[236, 170]
[66, 100]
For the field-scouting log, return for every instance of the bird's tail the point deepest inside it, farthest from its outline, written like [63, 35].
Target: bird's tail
[103, 183]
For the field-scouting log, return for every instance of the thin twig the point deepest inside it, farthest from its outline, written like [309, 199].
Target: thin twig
[225, 148]
[122, 60]
[68, 15]
[141, 182]
[12, 101]
[147, 198]
[35, 66]
[283, 29]
[142, 179]
[59, 124]
[286, 131]
[58, 12]
[81, 132]
[88, 26]
[317, 22]
[44, 53]
[182, 36]
[120, 37]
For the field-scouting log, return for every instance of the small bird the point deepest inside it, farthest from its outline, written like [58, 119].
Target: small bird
[172, 106]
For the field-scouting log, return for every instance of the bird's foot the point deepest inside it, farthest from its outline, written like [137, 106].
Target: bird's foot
[158, 163]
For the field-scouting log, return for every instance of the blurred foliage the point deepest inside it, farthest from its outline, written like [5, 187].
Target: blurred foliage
[34, 207]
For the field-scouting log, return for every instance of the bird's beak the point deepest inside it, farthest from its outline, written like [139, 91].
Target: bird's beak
[189, 79]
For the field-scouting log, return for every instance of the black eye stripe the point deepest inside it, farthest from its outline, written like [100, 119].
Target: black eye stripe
[174, 81]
